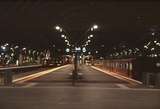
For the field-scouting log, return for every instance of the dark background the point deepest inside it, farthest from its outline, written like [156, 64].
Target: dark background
[31, 23]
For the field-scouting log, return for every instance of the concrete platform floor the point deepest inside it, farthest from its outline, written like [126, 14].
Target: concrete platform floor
[95, 90]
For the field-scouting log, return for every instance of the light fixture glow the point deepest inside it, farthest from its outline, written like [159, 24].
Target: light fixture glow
[57, 28]
[66, 40]
[3, 47]
[91, 35]
[95, 26]
[62, 35]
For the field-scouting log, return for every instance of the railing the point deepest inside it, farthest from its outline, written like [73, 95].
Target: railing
[6, 74]
[19, 67]
[145, 70]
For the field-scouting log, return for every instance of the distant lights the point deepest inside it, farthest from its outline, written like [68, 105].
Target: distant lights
[84, 50]
[149, 43]
[153, 33]
[16, 47]
[137, 49]
[89, 40]
[91, 29]
[12, 54]
[155, 55]
[66, 40]
[67, 50]
[54, 45]
[68, 44]
[6, 44]
[146, 47]
[152, 49]
[78, 48]
[94, 27]
[12, 49]
[62, 35]
[155, 41]
[60, 30]
[102, 45]
[158, 43]
[158, 64]
[91, 35]
[3, 47]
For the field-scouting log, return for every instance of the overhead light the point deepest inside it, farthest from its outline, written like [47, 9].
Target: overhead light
[152, 49]
[3, 47]
[87, 43]
[91, 29]
[66, 40]
[62, 35]
[57, 28]
[155, 41]
[91, 35]
[146, 47]
[68, 43]
[95, 26]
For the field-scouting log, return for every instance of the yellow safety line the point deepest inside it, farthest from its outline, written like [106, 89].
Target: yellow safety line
[130, 80]
[36, 75]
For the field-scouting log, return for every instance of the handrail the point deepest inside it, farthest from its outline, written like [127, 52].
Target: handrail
[20, 67]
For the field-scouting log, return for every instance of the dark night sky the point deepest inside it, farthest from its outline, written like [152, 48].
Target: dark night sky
[31, 23]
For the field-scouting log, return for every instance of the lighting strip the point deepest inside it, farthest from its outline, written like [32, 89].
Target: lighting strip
[36, 75]
[130, 80]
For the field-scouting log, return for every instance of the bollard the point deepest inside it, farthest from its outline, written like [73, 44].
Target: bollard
[8, 77]
[158, 80]
[150, 80]
[1, 78]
